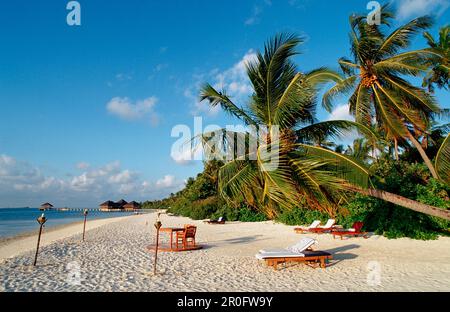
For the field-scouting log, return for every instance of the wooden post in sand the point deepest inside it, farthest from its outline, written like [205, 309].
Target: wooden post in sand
[41, 220]
[85, 212]
[158, 225]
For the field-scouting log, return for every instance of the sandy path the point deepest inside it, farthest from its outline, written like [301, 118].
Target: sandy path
[114, 258]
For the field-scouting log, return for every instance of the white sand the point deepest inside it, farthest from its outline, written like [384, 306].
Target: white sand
[19, 245]
[114, 258]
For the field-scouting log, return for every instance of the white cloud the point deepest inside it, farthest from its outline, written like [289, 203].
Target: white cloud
[257, 10]
[341, 112]
[22, 184]
[233, 80]
[187, 155]
[167, 181]
[123, 77]
[414, 8]
[124, 108]
[255, 17]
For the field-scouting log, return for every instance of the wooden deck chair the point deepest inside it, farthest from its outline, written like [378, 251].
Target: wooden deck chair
[354, 231]
[311, 258]
[186, 237]
[303, 229]
[221, 220]
[323, 228]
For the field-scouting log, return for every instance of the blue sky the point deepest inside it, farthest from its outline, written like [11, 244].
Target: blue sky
[87, 111]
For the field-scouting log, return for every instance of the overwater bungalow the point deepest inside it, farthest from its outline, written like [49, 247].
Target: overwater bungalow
[46, 206]
[131, 206]
[121, 205]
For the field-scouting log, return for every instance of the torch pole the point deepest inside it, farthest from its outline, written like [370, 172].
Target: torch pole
[84, 225]
[41, 220]
[157, 226]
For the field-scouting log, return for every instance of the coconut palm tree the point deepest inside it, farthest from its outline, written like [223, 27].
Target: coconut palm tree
[375, 77]
[439, 66]
[286, 167]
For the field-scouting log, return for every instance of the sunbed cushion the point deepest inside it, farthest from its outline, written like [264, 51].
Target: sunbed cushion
[302, 245]
[285, 254]
[299, 247]
[329, 224]
[315, 253]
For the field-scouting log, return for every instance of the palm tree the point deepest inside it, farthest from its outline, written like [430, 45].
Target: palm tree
[374, 76]
[282, 107]
[439, 66]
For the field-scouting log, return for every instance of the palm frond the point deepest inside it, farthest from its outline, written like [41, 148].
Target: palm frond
[220, 98]
[344, 167]
[272, 73]
[342, 87]
[297, 104]
[334, 129]
[442, 162]
[402, 36]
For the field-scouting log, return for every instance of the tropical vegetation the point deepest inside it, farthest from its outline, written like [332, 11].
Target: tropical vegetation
[401, 160]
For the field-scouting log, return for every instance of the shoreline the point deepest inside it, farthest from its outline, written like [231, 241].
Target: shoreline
[24, 242]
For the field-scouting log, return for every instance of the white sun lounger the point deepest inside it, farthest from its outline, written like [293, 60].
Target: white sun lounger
[281, 254]
[313, 225]
[312, 258]
[298, 248]
[327, 225]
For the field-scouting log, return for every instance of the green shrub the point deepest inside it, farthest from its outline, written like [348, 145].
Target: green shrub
[301, 216]
[248, 215]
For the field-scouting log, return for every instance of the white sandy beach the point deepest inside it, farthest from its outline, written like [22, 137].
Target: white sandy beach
[114, 258]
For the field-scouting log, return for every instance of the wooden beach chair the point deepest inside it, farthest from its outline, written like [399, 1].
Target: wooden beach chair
[304, 244]
[354, 231]
[187, 237]
[303, 229]
[221, 220]
[303, 253]
[323, 228]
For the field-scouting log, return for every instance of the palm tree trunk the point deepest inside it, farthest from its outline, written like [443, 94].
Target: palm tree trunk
[396, 149]
[424, 155]
[403, 201]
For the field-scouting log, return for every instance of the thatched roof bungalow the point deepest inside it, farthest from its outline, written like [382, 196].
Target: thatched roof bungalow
[46, 206]
[132, 206]
[108, 205]
[118, 206]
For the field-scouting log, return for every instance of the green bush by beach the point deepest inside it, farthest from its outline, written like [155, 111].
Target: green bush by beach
[200, 200]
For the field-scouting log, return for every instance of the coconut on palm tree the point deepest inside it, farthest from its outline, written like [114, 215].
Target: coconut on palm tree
[287, 167]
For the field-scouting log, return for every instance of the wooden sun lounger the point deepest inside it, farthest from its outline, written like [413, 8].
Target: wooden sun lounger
[311, 258]
[317, 230]
[356, 231]
[221, 220]
[300, 230]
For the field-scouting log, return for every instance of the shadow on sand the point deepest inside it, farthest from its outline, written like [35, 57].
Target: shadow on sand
[233, 241]
[339, 254]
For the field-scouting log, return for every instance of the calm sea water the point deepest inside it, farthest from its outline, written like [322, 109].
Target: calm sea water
[14, 221]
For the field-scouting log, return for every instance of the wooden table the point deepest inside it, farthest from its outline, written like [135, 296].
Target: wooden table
[171, 230]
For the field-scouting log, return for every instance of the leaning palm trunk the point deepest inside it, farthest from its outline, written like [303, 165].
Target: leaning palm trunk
[396, 149]
[403, 201]
[425, 158]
